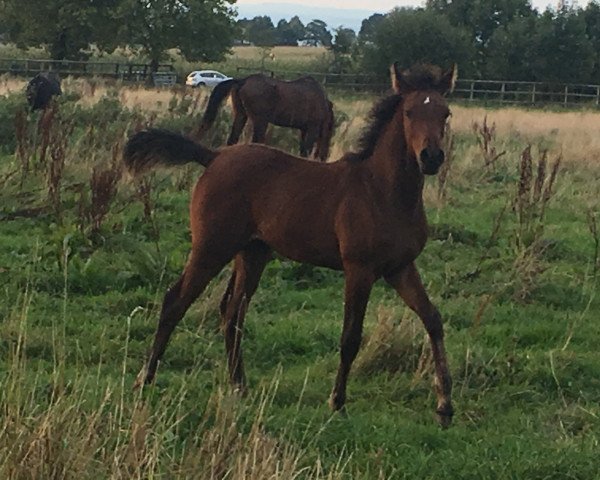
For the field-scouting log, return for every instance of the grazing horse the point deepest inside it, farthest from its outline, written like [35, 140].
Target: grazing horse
[300, 104]
[41, 89]
[362, 214]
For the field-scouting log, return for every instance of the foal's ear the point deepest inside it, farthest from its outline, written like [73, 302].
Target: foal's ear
[448, 80]
[398, 83]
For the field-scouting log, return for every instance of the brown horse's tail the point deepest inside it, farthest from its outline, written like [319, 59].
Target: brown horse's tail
[152, 147]
[219, 93]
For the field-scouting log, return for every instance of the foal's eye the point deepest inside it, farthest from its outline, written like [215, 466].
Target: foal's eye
[409, 113]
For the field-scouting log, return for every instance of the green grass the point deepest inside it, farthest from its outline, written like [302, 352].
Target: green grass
[78, 312]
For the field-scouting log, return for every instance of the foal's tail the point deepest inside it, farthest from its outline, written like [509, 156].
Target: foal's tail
[152, 147]
[219, 93]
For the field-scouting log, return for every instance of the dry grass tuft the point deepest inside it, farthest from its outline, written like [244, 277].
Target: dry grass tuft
[395, 346]
[486, 139]
[574, 133]
[534, 191]
[103, 188]
[56, 133]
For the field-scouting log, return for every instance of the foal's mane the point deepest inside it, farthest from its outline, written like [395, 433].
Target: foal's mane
[419, 77]
[381, 114]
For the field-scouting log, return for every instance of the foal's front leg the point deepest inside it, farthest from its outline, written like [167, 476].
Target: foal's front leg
[407, 283]
[357, 290]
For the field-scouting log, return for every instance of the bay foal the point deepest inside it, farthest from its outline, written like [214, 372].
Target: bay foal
[362, 214]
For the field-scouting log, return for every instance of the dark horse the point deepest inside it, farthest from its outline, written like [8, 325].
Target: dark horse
[41, 89]
[300, 104]
[362, 214]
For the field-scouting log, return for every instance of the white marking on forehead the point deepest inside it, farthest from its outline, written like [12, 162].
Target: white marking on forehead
[427, 100]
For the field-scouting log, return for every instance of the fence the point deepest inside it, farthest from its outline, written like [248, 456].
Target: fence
[124, 71]
[484, 91]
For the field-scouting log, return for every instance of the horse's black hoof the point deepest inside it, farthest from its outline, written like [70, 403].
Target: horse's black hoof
[444, 416]
[337, 403]
[143, 378]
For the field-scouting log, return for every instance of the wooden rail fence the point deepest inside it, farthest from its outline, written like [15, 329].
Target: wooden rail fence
[125, 71]
[470, 90]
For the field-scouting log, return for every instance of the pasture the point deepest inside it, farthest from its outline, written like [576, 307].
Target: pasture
[86, 254]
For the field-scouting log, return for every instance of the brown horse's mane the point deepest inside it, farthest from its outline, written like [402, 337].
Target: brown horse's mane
[419, 77]
[381, 114]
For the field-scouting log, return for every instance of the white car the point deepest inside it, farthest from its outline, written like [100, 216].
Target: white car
[209, 78]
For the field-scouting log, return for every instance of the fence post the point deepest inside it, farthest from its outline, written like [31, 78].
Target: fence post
[597, 96]
[533, 95]
[502, 90]
[566, 95]
[471, 92]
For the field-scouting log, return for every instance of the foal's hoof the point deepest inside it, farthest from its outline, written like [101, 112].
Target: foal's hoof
[239, 390]
[143, 378]
[337, 404]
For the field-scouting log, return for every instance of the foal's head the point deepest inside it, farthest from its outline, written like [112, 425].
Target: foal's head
[425, 111]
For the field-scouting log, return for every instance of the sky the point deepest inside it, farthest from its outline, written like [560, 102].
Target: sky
[378, 5]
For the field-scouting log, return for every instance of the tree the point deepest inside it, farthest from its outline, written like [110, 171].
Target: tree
[591, 17]
[261, 31]
[369, 26]
[564, 53]
[201, 29]
[481, 18]
[553, 47]
[343, 41]
[65, 27]
[289, 33]
[511, 51]
[317, 33]
[417, 36]
[341, 48]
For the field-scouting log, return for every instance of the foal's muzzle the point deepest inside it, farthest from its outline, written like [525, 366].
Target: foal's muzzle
[431, 160]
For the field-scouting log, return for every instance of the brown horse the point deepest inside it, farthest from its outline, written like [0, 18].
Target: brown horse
[300, 104]
[362, 214]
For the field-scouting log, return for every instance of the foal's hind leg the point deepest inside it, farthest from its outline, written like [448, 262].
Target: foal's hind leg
[199, 271]
[249, 266]
[408, 284]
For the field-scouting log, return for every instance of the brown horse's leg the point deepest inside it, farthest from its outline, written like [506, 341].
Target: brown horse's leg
[249, 266]
[259, 128]
[303, 152]
[357, 290]
[239, 121]
[408, 284]
[309, 138]
[198, 272]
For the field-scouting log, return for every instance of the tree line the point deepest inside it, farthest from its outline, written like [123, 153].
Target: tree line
[496, 39]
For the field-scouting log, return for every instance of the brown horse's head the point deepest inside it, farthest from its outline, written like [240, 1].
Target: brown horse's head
[325, 133]
[425, 111]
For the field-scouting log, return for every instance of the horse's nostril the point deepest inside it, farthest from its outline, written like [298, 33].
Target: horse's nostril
[441, 157]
